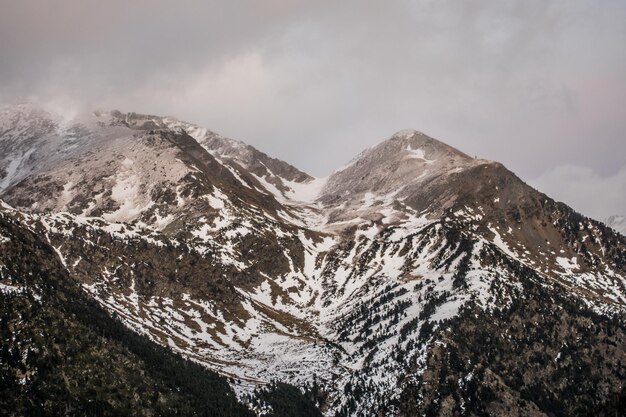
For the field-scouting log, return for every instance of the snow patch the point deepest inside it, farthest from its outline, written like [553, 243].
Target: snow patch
[418, 154]
[15, 168]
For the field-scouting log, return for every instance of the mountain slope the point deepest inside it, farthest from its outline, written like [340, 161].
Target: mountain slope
[63, 355]
[361, 287]
[282, 177]
[494, 204]
[564, 365]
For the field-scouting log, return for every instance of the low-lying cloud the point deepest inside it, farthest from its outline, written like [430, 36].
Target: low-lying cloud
[584, 190]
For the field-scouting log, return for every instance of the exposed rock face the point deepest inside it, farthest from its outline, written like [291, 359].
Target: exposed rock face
[415, 281]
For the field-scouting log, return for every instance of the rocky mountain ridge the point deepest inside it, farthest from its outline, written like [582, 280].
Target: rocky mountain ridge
[360, 283]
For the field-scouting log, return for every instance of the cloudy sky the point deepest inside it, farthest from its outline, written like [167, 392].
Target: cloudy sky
[539, 85]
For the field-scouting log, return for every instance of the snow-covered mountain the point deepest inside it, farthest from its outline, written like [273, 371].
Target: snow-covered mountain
[415, 280]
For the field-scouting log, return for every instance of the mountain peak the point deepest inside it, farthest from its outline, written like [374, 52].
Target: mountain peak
[412, 140]
[396, 165]
[404, 133]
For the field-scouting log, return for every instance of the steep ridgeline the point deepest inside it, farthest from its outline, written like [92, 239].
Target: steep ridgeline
[414, 281]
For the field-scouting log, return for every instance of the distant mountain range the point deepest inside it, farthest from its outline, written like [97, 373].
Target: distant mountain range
[416, 280]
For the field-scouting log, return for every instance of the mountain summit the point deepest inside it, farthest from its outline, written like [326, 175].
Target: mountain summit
[398, 165]
[417, 280]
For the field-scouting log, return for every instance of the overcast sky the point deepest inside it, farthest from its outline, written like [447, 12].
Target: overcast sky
[538, 85]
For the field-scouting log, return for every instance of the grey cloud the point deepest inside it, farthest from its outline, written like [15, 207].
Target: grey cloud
[585, 190]
[534, 84]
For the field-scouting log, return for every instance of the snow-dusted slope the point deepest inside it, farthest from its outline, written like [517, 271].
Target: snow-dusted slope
[32, 139]
[262, 272]
[397, 166]
[282, 179]
[408, 172]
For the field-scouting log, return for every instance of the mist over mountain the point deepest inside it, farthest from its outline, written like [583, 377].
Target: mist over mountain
[618, 223]
[416, 280]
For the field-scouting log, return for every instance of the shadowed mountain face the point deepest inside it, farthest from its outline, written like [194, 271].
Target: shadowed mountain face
[62, 354]
[414, 281]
